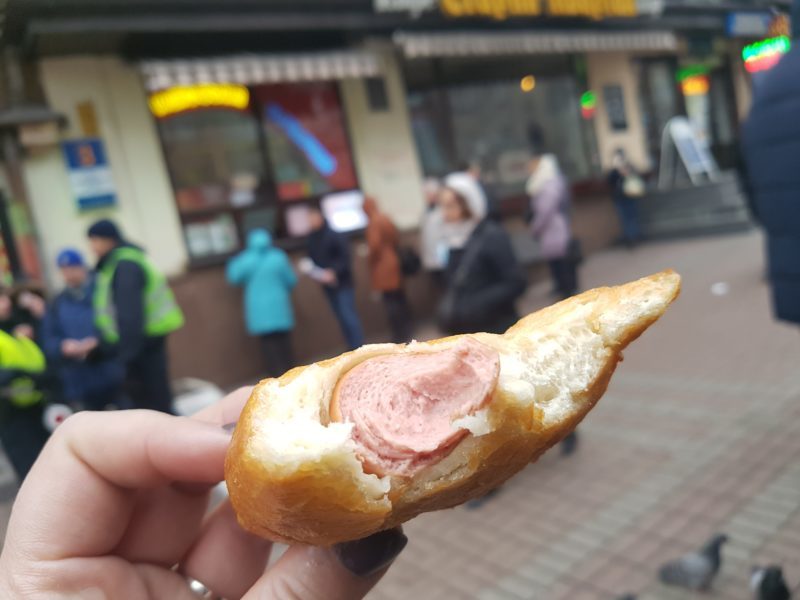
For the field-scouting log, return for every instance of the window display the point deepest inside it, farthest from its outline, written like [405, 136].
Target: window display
[306, 139]
[257, 162]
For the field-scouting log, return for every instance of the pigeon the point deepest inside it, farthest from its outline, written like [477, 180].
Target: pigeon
[768, 583]
[695, 570]
[627, 597]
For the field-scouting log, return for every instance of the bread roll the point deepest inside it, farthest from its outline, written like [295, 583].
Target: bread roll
[297, 474]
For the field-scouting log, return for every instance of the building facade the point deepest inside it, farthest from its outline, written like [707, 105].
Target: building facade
[210, 124]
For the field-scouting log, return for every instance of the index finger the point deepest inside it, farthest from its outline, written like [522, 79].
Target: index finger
[227, 410]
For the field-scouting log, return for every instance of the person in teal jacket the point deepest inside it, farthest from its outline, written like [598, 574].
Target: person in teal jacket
[268, 280]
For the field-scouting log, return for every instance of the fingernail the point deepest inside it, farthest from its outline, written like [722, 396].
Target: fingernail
[229, 427]
[372, 554]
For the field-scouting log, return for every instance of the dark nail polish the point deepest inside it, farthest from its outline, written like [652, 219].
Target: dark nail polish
[229, 427]
[370, 555]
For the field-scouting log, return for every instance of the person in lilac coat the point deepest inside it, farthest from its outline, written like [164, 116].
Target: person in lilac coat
[549, 195]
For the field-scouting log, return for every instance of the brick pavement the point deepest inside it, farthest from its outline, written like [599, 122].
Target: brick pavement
[698, 433]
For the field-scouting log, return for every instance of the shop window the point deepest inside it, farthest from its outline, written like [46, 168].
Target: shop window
[255, 162]
[306, 139]
[488, 123]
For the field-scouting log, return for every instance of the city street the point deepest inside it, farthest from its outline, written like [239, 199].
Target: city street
[698, 433]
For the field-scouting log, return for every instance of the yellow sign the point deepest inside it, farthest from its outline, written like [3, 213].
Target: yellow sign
[505, 9]
[696, 85]
[179, 99]
[495, 9]
[594, 9]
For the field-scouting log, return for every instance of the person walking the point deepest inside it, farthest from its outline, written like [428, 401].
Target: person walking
[70, 337]
[771, 141]
[330, 255]
[548, 191]
[22, 391]
[135, 311]
[268, 280]
[384, 269]
[484, 279]
[627, 189]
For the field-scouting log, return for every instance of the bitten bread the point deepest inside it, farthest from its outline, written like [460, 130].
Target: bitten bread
[343, 448]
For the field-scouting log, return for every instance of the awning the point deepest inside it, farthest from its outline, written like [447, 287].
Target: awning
[254, 69]
[468, 43]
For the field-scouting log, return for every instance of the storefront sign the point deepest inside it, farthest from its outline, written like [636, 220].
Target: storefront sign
[614, 99]
[588, 105]
[748, 24]
[693, 80]
[495, 9]
[593, 9]
[765, 54]
[179, 99]
[89, 173]
[506, 9]
[413, 7]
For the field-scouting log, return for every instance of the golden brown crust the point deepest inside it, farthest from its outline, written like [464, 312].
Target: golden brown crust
[325, 499]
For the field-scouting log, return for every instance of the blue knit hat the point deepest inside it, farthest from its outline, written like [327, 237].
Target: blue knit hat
[105, 229]
[69, 257]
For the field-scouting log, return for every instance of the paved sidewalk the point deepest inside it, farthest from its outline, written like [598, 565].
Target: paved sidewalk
[698, 433]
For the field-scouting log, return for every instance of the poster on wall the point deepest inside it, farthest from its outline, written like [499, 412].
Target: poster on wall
[89, 173]
[615, 107]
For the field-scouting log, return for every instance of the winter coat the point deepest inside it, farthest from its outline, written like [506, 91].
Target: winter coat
[330, 250]
[71, 317]
[382, 241]
[484, 281]
[550, 225]
[268, 279]
[772, 146]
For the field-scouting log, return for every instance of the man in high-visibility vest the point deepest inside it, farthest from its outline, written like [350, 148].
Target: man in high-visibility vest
[135, 311]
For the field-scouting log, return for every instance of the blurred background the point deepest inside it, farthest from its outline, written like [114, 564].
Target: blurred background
[191, 124]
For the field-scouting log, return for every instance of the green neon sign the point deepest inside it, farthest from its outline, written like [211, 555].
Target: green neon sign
[685, 73]
[776, 45]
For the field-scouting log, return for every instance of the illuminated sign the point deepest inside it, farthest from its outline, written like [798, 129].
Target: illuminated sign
[696, 85]
[588, 105]
[179, 99]
[765, 54]
[594, 9]
[495, 9]
[316, 153]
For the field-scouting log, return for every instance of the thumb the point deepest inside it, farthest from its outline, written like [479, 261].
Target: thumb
[343, 572]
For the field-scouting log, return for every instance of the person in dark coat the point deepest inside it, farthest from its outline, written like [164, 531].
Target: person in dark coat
[626, 205]
[771, 139]
[484, 279]
[330, 254]
[135, 311]
[69, 336]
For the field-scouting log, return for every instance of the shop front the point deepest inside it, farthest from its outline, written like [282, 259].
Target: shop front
[258, 155]
[203, 151]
